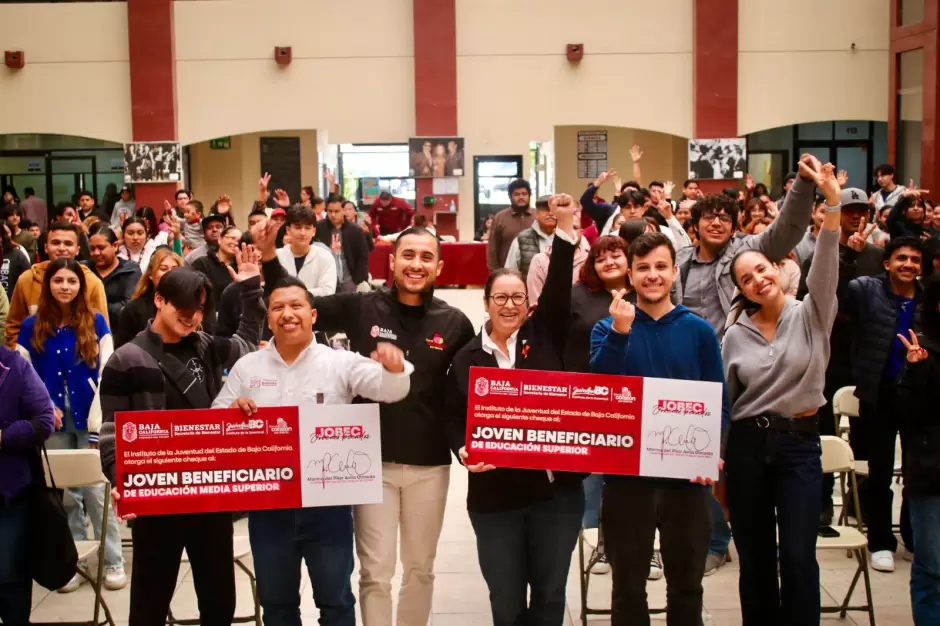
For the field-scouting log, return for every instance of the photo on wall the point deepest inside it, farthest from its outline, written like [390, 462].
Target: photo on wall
[153, 162]
[435, 157]
[717, 159]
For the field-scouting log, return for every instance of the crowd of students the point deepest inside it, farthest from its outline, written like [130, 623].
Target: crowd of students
[156, 314]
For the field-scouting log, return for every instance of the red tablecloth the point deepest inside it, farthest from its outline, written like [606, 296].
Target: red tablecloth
[464, 263]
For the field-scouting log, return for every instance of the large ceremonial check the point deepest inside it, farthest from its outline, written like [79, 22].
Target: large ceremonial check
[594, 423]
[201, 461]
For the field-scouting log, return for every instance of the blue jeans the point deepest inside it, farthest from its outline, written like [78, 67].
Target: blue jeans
[323, 538]
[925, 571]
[529, 547]
[16, 584]
[721, 532]
[592, 485]
[88, 500]
[774, 481]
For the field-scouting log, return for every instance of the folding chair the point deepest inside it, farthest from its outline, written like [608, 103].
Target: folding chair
[584, 572]
[242, 550]
[82, 468]
[837, 458]
[844, 406]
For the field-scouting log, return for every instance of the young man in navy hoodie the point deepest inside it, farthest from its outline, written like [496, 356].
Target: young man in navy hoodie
[656, 339]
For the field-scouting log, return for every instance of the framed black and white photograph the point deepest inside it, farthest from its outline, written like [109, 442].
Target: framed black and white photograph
[717, 159]
[435, 157]
[153, 162]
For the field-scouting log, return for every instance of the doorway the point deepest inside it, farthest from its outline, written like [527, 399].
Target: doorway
[491, 178]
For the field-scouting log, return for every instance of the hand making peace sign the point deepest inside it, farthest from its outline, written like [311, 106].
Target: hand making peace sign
[915, 354]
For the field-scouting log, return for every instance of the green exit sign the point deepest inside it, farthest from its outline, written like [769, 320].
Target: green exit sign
[222, 143]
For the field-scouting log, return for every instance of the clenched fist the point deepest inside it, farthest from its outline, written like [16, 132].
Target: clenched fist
[390, 356]
[623, 312]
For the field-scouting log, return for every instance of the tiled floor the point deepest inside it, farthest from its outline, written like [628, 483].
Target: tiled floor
[460, 595]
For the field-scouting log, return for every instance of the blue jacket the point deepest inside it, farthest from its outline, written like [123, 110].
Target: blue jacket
[679, 345]
[59, 364]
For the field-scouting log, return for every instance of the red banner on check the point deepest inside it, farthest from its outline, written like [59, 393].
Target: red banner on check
[594, 423]
[210, 460]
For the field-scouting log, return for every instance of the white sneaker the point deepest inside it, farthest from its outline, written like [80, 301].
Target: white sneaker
[883, 561]
[601, 566]
[656, 567]
[590, 537]
[115, 578]
[73, 585]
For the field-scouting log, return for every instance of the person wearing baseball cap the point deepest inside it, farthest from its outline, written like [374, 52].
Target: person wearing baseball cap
[212, 226]
[857, 258]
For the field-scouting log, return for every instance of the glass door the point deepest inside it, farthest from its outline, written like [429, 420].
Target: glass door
[491, 178]
[71, 175]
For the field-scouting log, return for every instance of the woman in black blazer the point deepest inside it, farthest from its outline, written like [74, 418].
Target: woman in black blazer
[526, 521]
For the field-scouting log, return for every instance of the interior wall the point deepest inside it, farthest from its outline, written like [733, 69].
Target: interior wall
[665, 157]
[77, 75]
[804, 68]
[514, 89]
[236, 171]
[352, 69]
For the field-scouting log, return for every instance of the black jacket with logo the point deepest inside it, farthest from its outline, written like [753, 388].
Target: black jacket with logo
[412, 429]
[540, 345]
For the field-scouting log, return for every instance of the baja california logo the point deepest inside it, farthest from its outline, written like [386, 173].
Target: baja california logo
[152, 431]
[503, 388]
[597, 392]
[625, 395]
[378, 332]
[129, 432]
[481, 387]
[681, 407]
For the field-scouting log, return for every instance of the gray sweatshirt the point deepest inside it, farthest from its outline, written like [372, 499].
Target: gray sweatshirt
[787, 376]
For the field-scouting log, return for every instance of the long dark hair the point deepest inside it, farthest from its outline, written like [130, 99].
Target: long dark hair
[81, 318]
[740, 303]
[149, 216]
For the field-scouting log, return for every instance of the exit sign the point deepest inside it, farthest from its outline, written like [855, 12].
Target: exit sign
[222, 143]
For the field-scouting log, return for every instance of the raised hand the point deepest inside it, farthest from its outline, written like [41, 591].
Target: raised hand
[915, 354]
[668, 186]
[245, 260]
[825, 179]
[622, 311]
[603, 177]
[617, 182]
[563, 208]
[264, 236]
[390, 356]
[858, 240]
[224, 204]
[635, 153]
[749, 183]
[282, 199]
[476, 468]
[809, 166]
[263, 183]
[842, 177]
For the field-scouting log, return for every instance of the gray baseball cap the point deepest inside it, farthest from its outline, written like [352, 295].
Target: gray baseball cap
[853, 196]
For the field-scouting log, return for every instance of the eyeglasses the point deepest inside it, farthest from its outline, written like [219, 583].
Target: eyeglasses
[501, 299]
[724, 218]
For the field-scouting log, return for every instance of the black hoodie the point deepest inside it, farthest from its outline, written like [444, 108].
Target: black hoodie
[921, 422]
[118, 286]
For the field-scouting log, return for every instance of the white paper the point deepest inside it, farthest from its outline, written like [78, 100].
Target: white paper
[340, 454]
[681, 435]
[446, 186]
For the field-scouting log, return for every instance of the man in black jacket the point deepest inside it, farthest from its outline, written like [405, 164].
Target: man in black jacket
[880, 308]
[348, 244]
[415, 450]
[856, 258]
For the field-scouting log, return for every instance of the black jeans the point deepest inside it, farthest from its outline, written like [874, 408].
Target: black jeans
[16, 584]
[873, 436]
[774, 481]
[158, 547]
[632, 511]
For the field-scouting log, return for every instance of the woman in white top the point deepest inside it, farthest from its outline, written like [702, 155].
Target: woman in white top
[141, 239]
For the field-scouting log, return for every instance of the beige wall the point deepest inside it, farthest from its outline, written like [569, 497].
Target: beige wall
[514, 84]
[236, 171]
[77, 77]
[802, 69]
[665, 157]
[352, 71]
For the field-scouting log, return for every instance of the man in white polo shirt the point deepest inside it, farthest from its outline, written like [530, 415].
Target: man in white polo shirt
[307, 372]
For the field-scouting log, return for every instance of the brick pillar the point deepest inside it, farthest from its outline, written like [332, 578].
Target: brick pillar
[153, 85]
[715, 74]
[435, 43]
